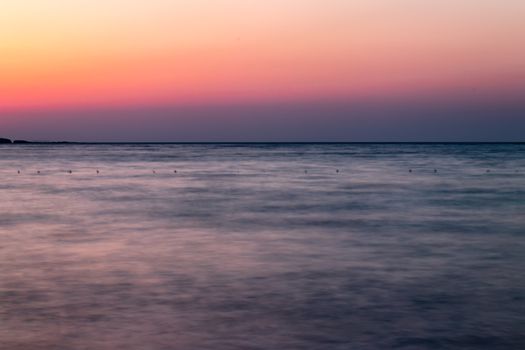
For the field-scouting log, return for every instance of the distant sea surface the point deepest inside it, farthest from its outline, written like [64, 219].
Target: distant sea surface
[262, 246]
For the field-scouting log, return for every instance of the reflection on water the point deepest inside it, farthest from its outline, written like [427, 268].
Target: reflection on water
[243, 249]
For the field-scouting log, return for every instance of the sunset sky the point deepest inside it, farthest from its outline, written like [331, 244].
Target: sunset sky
[246, 70]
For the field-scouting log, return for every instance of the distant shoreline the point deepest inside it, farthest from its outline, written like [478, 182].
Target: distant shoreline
[4, 141]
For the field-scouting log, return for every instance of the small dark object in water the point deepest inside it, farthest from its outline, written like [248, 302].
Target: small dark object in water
[98, 172]
[409, 170]
[19, 171]
[306, 171]
[488, 171]
[435, 171]
[38, 172]
[154, 172]
[174, 171]
[70, 171]
[337, 171]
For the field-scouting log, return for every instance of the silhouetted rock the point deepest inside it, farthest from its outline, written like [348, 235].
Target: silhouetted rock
[21, 141]
[5, 140]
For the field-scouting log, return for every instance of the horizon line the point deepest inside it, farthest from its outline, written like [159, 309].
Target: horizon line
[24, 142]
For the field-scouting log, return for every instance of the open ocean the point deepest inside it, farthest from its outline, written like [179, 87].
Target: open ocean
[262, 246]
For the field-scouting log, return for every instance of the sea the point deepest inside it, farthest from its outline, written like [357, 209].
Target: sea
[262, 246]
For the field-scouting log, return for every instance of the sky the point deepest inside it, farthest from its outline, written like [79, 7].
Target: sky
[274, 70]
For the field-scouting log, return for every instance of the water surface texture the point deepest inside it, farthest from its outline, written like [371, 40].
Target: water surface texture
[262, 246]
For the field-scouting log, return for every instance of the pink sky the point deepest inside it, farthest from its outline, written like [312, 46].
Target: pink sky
[105, 62]
[127, 52]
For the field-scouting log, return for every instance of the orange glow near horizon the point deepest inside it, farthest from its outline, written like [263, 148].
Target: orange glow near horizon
[63, 53]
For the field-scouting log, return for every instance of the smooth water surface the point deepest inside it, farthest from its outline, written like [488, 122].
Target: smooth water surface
[262, 246]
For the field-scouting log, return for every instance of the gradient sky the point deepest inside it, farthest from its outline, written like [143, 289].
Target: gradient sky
[246, 70]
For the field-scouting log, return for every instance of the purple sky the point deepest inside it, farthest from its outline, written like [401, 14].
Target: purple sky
[321, 121]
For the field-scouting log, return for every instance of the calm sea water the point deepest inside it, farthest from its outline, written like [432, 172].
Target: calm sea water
[262, 247]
